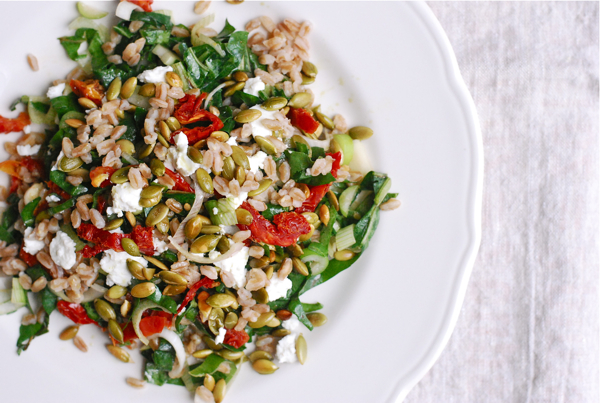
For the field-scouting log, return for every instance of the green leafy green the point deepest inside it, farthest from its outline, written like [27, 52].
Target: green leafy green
[181, 197]
[28, 332]
[65, 103]
[295, 306]
[240, 97]
[91, 311]
[60, 179]
[299, 162]
[209, 366]
[154, 19]
[62, 207]
[272, 210]
[334, 268]
[308, 308]
[227, 30]
[49, 300]
[41, 107]
[156, 36]
[27, 213]
[164, 300]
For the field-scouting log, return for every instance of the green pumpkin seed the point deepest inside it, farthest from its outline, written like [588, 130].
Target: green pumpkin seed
[147, 90]
[162, 140]
[220, 300]
[205, 220]
[266, 145]
[143, 290]
[299, 266]
[157, 214]
[274, 104]
[243, 216]
[220, 390]
[120, 175]
[164, 130]
[248, 116]
[333, 200]
[156, 262]
[273, 322]
[204, 180]
[211, 343]
[262, 320]
[300, 100]
[157, 167]
[130, 247]
[146, 150]
[301, 349]
[120, 114]
[115, 330]
[264, 367]
[324, 214]
[173, 123]
[312, 218]
[151, 191]
[269, 272]
[228, 168]
[306, 80]
[69, 333]
[240, 157]
[82, 173]
[150, 202]
[240, 76]
[299, 139]
[87, 103]
[230, 355]
[128, 88]
[136, 269]
[296, 250]
[325, 120]
[104, 309]
[360, 132]
[202, 353]
[306, 237]
[173, 79]
[195, 155]
[119, 353]
[220, 135]
[205, 243]
[209, 381]
[116, 292]
[309, 69]
[163, 226]
[259, 355]
[148, 273]
[210, 229]
[114, 89]
[343, 255]
[317, 318]
[215, 320]
[172, 278]
[70, 164]
[233, 89]
[223, 246]
[231, 320]
[240, 175]
[280, 333]
[127, 146]
[125, 308]
[193, 227]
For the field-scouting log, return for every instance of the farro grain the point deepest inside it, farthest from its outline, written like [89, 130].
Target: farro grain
[391, 204]
[67, 147]
[135, 26]
[44, 259]
[256, 252]
[80, 344]
[39, 284]
[75, 219]
[135, 383]
[137, 180]
[97, 218]
[25, 281]
[33, 62]
[28, 319]
[74, 180]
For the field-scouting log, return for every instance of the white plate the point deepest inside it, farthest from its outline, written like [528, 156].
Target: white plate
[387, 65]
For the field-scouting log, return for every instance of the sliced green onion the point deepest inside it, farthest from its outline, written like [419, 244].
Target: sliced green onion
[385, 188]
[90, 12]
[201, 39]
[9, 307]
[165, 55]
[343, 143]
[345, 238]
[346, 199]
[359, 199]
[38, 117]
[314, 261]
[182, 73]
[188, 380]
[221, 212]
[5, 295]
[18, 295]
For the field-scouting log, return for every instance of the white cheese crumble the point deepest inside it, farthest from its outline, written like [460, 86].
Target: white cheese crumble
[60, 157]
[32, 244]
[253, 86]
[115, 265]
[292, 324]
[215, 210]
[125, 198]
[286, 349]
[235, 265]
[156, 75]
[257, 161]
[27, 150]
[160, 246]
[221, 336]
[27, 129]
[232, 141]
[278, 288]
[179, 158]
[56, 91]
[257, 127]
[52, 198]
[62, 250]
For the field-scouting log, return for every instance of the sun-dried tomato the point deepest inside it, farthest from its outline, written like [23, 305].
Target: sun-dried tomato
[318, 192]
[283, 231]
[101, 204]
[42, 205]
[97, 172]
[180, 183]
[90, 89]
[11, 167]
[152, 325]
[14, 125]
[53, 187]
[303, 120]
[142, 236]
[191, 294]
[146, 5]
[75, 312]
[236, 338]
[104, 240]
[189, 110]
[27, 258]
[33, 165]
[14, 184]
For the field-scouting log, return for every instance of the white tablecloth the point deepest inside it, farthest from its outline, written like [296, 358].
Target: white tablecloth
[528, 330]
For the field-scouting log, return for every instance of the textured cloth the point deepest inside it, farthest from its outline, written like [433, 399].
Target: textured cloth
[528, 330]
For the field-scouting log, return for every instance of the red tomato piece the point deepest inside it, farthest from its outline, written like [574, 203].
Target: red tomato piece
[33, 165]
[142, 236]
[101, 204]
[180, 183]
[128, 332]
[302, 119]
[11, 167]
[235, 338]
[191, 294]
[318, 192]
[189, 110]
[152, 325]
[96, 172]
[104, 240]
[27, 258]
[90, 89]
[75, 312]
[146, 5]
[14, 184]
[53, 187]
[14, 125]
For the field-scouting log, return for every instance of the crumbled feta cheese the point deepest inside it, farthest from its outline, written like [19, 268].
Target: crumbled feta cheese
[229, 229]
[253, 86]
[286, 349]
[27, 129]
[62, 250]
[56, 91]
[32, 244]
[257, 127]
[160, 246]
[52, 198]
[292, 324]
[179, 158]
[60, 157]
[235, 265]
[27, 150]
[115, 265]
[257, 161]
[278, 288]
[215, 210]
[221, 336]
[237, 201]
[125, 198]
[232, 141]
[155, 75]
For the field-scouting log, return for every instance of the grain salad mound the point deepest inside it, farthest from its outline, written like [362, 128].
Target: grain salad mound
[181, 190]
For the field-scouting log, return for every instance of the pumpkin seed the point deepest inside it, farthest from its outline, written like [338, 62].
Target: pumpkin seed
[234, 2]
[333, 200]
[280, 333]
[195, 155]
[74, 123]
[309, 69]
[127, 146]
[343, 255]
[240, 76]
[296, 250]
[70, 164]
[269, 272]
[164, 130]
[128, 88]
[233, 89]
[299, 266]
[148, 273]
[173, 123]
[317, 318]
[120, 114]
[156, 262]
[147, 90]
[162, 140]
[220, 135]
[306, 80]
[116, 292]
[210, 229]
[262, 320]
[193, 227]
[228, 82]
[273, 322]
[130, 218]
[202, 353]
[306, 237]
[172, 278]
[157, 167]
[220, 300]
[157, 214]
[264, 366]
[231, 320]
[205, 243]
[299, 139]
[205, 220]
[325, 120]
[240, 175]
[115, 330]
[69, 333]
[120, 175]
[240, 157]
[163, 226]
[312, 218]
[114, 89]
[259, 355]
[230, 355]
[125, 308]
[211, 343]
[228, 168]
[259, 263]
[274, 104]
[248, 116]
[104, 309]
[215, 320]
[87, 103]
[324, 214]
[243, 216]
[150, 202]
[300, 100]
[301, 349]
[360, 132]
[173, 79]
[130, 247]
[204, 180]
[223, 246]
[220, 390]
[266, 145]
[146, 150]
[136, 269]
[143, 290]
[119, 353]
[209, 381]
[151, 191]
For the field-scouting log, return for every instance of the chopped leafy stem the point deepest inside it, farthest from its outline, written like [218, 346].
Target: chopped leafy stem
[27, 213]
[60, 179]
